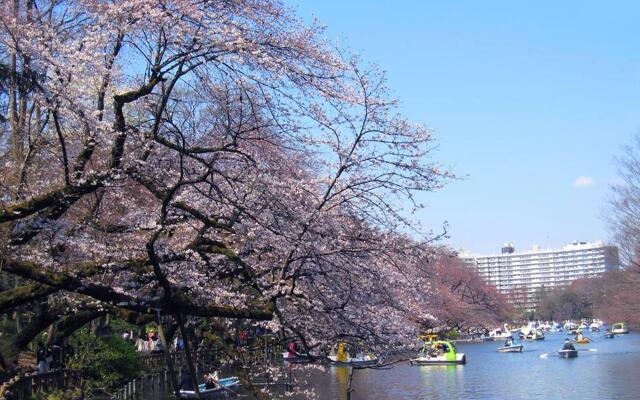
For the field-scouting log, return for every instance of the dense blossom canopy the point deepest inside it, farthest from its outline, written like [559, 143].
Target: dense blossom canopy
[215, 159]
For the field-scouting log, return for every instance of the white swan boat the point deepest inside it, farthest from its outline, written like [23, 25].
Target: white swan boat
[500, 333]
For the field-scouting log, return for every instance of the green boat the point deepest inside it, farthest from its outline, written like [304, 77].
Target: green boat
[619, 328]
[441, 352]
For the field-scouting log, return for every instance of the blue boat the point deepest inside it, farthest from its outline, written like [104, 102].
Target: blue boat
[225, 383]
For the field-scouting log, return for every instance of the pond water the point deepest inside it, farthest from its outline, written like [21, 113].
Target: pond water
[610, 372]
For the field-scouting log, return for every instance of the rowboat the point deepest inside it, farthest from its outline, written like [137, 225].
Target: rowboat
[225, 383]
[511, 349]
[568, 353]
[583, 341]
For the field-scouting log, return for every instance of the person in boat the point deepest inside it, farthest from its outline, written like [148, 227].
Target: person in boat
[568, 345]
[579, 336]
[293, 349]
[342, 354]
[211, 381]
[508, 342]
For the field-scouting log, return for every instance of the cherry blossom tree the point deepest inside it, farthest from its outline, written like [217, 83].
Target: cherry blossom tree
[209, 160]
[459, 297]
[214, 160]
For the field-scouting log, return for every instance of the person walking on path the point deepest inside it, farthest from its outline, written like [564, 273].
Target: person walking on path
[41, 359]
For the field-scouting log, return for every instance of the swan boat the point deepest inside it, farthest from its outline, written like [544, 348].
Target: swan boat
[619, 328]
[441, 352]
[341, 356]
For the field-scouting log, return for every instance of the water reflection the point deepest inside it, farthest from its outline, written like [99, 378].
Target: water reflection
[342, 375]
[610, 372]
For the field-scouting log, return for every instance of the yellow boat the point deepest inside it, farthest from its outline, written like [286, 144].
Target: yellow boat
[342, 354]
[428, 337]
[583, 341]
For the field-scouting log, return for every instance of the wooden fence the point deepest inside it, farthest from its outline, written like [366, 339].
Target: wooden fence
[157, 383]
[211, 358]
[24, 387]
[152, 385]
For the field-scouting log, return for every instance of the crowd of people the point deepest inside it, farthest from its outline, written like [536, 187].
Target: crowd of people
[151, 343]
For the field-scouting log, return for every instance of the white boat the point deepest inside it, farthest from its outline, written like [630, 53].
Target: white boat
[619, 328]
[500, 333]
[594, 327]
[295, 358]
[360, 359]
[571, 328]
[439, 360]
[556, 327]
[545, 327]
[225, 383]
[514, 348]
[341, 355]
[531, 333]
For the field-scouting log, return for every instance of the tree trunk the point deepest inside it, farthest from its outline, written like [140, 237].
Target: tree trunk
[172, 369]
[187, 349]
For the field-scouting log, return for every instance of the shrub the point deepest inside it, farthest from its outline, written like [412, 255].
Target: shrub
[109, 361]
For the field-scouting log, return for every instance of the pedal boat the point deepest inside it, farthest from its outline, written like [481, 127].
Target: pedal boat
[450, 356]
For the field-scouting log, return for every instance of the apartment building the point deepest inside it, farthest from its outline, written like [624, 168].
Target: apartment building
[521, 275]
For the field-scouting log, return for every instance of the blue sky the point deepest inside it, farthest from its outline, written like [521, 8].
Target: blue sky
[525, 99]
